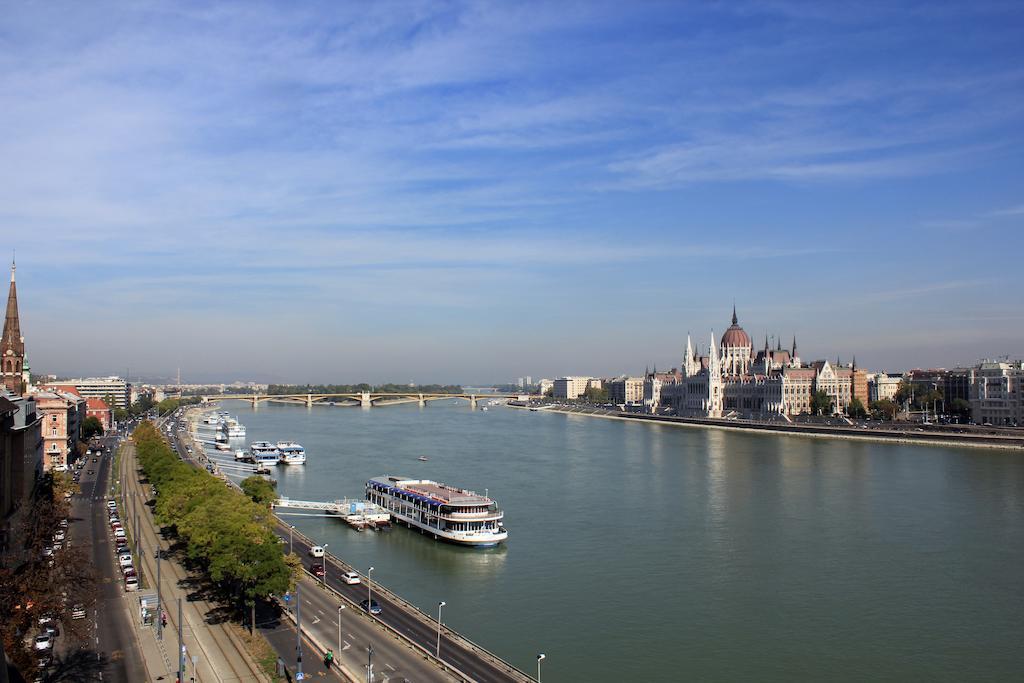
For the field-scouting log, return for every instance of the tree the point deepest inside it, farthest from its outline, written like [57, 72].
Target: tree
[260, 490]
[91, 427]
[856, 409]
[960, 407]
[883, 409]
[821, 403]
[595, 395]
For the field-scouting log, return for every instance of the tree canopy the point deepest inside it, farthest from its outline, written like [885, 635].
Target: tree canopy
[821, 403]
[856, 409]
[91, 427]
[226, 532]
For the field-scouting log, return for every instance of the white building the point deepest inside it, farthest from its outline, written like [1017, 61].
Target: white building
[882, 386]
[101, 387]
[997, 393]
[573, 387]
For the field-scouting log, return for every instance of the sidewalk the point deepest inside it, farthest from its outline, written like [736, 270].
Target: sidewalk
[212, 651]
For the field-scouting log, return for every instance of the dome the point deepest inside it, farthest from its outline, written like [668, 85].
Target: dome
[735, 336]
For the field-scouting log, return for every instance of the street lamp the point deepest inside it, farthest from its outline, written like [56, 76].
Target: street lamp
[439, 606]
[539, 657]
[369, 663]
[369, 590]
[340, 608]
[290, 539]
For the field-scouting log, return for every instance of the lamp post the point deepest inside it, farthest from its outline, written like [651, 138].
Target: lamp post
[439, 606]
[159, 601]
[369, 663]
[539, 658]
[290, 539]
[340, 609]
[369, 590]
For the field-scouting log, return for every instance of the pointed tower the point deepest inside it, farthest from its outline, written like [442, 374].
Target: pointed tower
[715, 380]
[687, 364]
[12, 345]
[794, 359]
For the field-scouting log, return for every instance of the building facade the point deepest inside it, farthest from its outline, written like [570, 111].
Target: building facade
[626, 390]
[95, 407]
[734, 381]
[571, 388]
[117, 389]
[997, 393]
[62, 416]
[883, 386]
[21, 462]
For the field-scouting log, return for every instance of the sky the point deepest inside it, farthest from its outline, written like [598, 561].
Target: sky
[474, 192]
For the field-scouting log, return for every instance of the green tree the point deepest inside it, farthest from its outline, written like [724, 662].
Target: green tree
[883, 409]
[595, 395]
[821, 403]
[960, 407]
[91, 427]
[259, 489]
[856, 409]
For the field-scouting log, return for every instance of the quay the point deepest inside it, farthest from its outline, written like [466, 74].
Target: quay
[908, 434]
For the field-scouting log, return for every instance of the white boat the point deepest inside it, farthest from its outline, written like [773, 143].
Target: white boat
[291, 453]
[445, 512]
[211, 420]
[263, 452]
[240, 455]
[221, 446]
[232, 428]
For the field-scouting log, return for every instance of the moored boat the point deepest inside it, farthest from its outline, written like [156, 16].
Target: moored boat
[291, 453]
[446, 512]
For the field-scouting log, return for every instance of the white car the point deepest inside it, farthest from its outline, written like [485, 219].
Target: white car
[59, 536]
[119, 533]
[44, 641]
[350, 578]
[125, 560]
[131, 583]
[111, 504]
[316, 551]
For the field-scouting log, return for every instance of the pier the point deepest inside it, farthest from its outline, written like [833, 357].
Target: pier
[358, 514]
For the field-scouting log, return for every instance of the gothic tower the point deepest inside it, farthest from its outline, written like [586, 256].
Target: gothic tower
[12, 346]
[715, 388]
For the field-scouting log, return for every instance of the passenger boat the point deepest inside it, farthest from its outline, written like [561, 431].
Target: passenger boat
[291, 453]
[263, 451]
[445, 512]
[240, 455]
[232, 428]
[423, 458]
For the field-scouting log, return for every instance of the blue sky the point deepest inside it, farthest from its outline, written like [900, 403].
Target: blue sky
[477, 191]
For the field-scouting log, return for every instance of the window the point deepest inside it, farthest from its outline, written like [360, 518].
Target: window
[54, 432]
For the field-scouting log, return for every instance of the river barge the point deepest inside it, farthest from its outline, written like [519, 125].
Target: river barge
[445, 512]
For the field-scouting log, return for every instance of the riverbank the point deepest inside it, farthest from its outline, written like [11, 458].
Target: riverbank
[908, 435]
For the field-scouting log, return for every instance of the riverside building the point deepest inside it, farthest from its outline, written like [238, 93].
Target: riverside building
[734, 381]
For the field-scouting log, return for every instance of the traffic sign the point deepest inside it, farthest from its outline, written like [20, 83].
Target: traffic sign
[287, 597]
[299, 676]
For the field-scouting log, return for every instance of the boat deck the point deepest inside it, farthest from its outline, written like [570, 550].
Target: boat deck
[447, 494]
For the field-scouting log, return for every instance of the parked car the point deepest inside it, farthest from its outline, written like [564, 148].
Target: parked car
[125, 560]
[350, 578]
[44, 641]
[78, 611]
[119, 533]
[131, 583]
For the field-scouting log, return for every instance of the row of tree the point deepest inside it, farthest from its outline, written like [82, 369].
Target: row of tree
[278, 389]
[36, 580]
[226, 533]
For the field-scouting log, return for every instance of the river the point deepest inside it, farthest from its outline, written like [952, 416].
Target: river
[648, 552]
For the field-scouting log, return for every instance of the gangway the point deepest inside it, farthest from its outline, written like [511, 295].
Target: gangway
[359, 514]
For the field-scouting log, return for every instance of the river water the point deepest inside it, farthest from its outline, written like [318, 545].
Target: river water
[649, 552]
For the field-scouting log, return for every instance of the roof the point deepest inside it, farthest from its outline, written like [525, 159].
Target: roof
[96, 404]
[7, 407]
[65, 388]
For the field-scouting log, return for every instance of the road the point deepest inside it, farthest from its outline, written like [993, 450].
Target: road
[113, 636]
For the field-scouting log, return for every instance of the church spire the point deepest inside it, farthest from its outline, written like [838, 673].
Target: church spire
[735, 320]
[794, 346]
[12, 346]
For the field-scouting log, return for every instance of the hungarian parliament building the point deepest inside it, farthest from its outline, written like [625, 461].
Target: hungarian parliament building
[732, 380]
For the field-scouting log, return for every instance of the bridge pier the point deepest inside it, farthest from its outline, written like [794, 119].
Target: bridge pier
[472, 402]
[364, 399]
[423, 404]
[255, 401]
[309, 400]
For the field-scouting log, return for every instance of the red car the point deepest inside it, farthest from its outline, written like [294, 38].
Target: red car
[318, 570]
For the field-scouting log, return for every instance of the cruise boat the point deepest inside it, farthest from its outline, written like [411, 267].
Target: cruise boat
[263, 452]
[445, 512]
[232, 428]
[291, 453]
[241, 455]
[211, 420]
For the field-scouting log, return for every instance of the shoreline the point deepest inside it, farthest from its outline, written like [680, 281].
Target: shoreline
[807, 431]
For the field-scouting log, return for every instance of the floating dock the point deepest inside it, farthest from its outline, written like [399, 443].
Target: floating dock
[358, 514]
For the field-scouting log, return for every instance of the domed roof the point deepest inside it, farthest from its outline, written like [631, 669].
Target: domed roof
[735, 336]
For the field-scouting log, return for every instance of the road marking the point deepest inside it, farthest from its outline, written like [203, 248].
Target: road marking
[390, 667]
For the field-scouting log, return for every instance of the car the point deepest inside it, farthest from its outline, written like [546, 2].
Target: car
[318, 570]
[78, 611]
[125, 559]
[63, 524]
[59, 536]
[131, 583]
[90, 472]
[316, 551]
[119, 533]
[350, 578]
[371, 606]
[48, 551]
[44, 641]
[130, 571]
[95, 459]
[57, 545]
[111, 503]
[51, 628]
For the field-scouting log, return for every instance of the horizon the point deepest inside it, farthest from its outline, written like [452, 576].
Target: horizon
[343, 194]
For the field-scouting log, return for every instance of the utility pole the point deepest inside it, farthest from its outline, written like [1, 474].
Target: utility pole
[369, 663]
[298, 629]
[181, 649]
[159, 601]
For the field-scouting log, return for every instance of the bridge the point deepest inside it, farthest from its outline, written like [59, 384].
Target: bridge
[364, 399]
